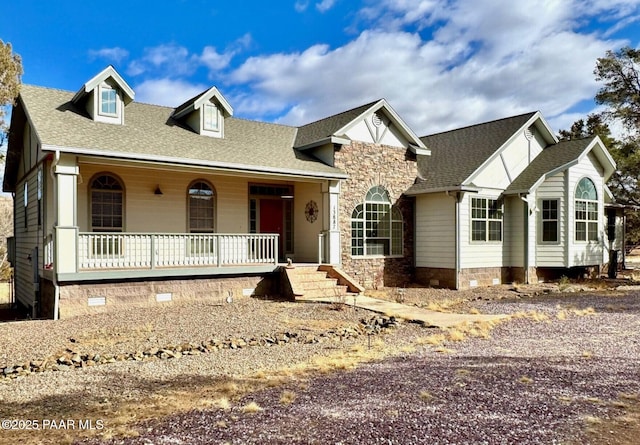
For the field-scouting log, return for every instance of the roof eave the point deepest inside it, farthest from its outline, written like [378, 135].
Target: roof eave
[230, 166]
[106, 73]
[453, 188]
[404, 128]
[328, 140]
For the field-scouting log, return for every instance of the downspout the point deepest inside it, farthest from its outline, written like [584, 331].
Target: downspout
[458, 198]
[56, 288]
[526, 238]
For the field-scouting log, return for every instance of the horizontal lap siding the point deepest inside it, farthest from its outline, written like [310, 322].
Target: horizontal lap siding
[475, 254]
[305, 242]
[552, 254]
[147, 212]
[583, 253]
[435, 231]
[26, 240]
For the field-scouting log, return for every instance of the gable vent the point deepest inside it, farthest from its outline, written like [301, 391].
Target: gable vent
[376, 119]
[528, 133]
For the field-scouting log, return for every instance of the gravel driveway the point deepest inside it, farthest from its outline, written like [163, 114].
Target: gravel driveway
[532, 382]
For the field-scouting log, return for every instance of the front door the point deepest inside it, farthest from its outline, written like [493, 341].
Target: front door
[272, 220]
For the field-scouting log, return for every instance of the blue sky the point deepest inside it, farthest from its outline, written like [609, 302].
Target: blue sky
[440, 63]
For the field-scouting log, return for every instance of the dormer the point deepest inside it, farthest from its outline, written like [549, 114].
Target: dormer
[105, 96]
[205, 113]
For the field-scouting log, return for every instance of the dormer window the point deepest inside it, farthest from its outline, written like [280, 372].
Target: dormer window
[205, 113]
[108, 101]
[105, 97]
[211, 118]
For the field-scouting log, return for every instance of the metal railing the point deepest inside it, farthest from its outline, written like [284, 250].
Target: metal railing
[151, 250]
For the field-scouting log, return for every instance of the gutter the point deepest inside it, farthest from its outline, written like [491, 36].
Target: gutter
[228, 166]
[447, 189]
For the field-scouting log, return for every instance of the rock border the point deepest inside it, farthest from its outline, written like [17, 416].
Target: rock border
[72, 359]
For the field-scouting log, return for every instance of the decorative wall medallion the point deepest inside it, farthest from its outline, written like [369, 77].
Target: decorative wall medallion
[311, 211]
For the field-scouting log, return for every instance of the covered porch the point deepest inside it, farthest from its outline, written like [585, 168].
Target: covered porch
[118, 220]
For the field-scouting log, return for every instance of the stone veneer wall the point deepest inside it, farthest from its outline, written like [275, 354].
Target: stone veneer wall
[141, 293]
[395, 169]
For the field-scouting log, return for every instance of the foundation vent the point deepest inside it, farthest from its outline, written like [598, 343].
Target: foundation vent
[473, 283]
[164, 297]
[97, 301]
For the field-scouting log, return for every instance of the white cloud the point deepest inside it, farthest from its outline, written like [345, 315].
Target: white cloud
[325, 5]
[167, 92]
[171, 58]
[115, 54]
[301, 5]
[442, 64]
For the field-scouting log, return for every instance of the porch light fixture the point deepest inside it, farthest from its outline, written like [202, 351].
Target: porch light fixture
[286, 197]
[158, 191]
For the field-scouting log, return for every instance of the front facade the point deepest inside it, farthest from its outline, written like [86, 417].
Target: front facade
[121, 203]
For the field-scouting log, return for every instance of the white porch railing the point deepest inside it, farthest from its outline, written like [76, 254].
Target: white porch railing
[151, 250]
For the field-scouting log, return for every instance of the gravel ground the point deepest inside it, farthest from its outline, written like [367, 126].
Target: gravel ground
[533, 382]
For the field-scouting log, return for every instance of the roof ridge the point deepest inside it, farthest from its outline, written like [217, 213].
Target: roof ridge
[350, 110]
[479, 124]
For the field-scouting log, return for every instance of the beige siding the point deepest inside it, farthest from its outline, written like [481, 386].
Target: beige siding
[147, 212]
[435, 231]
[585, 253]
[306, 233]
[27, 239]
[551, 254]
[477, 253]
[167, 213]
[514, 231]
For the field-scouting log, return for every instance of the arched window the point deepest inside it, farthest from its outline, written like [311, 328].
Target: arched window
[376, 225]
[107, 203]
[201, 207]
[586, 209]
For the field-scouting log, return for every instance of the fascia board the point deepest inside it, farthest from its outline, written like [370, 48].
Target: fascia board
[330, 140]
[500, 149]
[194, 162]
[603, 156]
[213, 92]
[458, 188]
[101, 77]
[382, 103]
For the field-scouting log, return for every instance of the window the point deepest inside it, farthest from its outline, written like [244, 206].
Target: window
[39, 196]
[201, 207]
[211, 117]
[486, 219]
[108, 101]
[586, 203]
[26, 203]
[549, 220]
[376, 226]
[106, 204]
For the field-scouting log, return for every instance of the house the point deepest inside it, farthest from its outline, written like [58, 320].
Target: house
[505, 201]
[124, 203]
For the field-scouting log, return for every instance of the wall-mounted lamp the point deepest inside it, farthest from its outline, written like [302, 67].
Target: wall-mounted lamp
[158, 191]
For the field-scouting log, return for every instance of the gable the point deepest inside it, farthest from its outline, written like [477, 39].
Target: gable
[373, 123]
[105, 96]
[205, 113]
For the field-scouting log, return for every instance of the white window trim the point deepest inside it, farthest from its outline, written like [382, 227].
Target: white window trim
[363, 220]
[542, 220]
[587, 220]
[486, 220]
[216, 113]
[102, 88]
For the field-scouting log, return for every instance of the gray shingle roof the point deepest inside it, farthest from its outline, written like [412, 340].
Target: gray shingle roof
[323, 128]
[456, 154]
[551, 158]
[149, 131]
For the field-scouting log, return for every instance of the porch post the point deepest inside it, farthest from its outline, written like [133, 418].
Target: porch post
[66, 224]
[331, 195]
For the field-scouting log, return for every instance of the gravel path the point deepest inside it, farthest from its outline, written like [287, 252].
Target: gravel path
[533, 382]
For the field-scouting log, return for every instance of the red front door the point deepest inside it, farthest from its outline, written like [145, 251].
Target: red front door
[272, 219]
